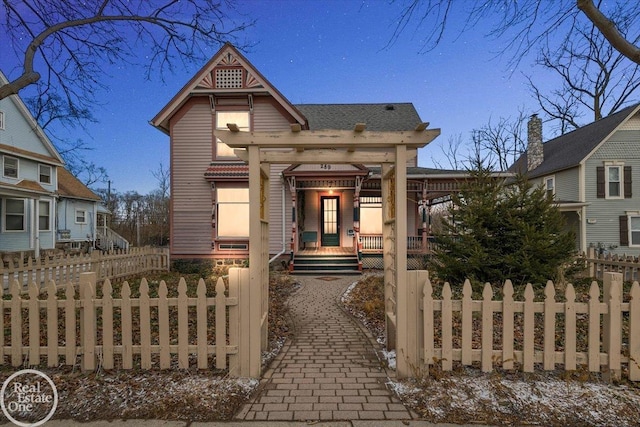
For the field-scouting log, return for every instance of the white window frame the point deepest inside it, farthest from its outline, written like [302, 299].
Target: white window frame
[84, 214]
[4, 167]
[42, 167]
[47, 211]
[4, 216]
[608, 166]
[223, 151]
[550, 179]
[1, 120]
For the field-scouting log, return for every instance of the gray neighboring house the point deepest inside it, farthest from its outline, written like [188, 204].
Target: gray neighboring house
[593, 174]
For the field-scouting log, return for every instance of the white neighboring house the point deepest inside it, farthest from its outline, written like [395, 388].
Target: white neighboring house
[42, 206]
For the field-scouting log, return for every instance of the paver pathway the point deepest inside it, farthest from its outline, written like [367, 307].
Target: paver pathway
[329, 370]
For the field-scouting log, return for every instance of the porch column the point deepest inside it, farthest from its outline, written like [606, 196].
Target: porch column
[356, 220]
[294, 219]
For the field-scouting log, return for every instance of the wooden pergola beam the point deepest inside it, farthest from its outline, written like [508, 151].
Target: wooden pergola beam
[321, 156]
[328, 139]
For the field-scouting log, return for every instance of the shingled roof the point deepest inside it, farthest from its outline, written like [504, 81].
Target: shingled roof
[384, 117]
[70, 186]
[568, 150]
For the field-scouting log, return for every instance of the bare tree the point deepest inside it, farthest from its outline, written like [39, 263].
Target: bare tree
[527, 23]
[596, 79]
[68, 42]
[497, 146]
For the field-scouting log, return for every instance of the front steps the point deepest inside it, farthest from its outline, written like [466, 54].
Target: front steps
[326, 264]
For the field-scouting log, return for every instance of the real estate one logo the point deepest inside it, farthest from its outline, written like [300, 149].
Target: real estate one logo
[28, 398]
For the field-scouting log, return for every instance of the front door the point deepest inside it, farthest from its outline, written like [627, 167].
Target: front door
[330, 206]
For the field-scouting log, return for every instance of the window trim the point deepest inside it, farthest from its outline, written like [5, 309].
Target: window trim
[620, 167]
[223, 126]
[48, 211]
[4, 167]
[75, 218]
[4, 215]
[218, 216]
[40, 166]
[551, 178]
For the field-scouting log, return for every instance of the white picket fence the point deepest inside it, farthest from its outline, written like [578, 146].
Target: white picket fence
[98, 329]
[443, 331]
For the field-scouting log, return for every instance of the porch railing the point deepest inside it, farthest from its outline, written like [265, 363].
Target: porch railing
[373, 242]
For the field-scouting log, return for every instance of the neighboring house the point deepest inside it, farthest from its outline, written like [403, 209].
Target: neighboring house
[314, 208]
[593, 173]
[42, 206]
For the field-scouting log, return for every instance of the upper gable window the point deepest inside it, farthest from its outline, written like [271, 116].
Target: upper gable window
[229, 78]
[44, 173]
[613, 177]
[240, 118]
[10, 167]
[1, 120]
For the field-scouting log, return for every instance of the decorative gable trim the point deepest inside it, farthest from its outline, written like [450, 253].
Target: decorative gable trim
[207, 82]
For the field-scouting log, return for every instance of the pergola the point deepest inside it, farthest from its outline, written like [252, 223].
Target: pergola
[389, 149]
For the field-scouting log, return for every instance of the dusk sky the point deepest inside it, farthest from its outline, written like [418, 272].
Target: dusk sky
[322, 52]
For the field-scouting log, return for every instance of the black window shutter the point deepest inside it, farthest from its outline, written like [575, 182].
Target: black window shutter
[600, 182]
[627, 182]
[624, 231]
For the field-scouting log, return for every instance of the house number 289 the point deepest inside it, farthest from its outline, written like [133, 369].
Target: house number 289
[325, 166]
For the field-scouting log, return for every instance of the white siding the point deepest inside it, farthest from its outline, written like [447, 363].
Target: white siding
[191, 141]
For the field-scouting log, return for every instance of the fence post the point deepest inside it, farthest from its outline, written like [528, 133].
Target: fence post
[249, 314]
[414, 333]
[88, 318]
[591, 254]
[634, 333]
[612, 324]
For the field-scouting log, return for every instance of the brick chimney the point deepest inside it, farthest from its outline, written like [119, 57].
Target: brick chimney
[535, 152]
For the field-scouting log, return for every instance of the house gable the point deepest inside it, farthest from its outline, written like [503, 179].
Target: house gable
[21, 135]
[226, 79]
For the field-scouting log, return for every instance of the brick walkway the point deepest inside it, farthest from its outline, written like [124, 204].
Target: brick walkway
[329, 370]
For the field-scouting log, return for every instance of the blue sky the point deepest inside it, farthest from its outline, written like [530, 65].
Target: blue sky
[322, 52]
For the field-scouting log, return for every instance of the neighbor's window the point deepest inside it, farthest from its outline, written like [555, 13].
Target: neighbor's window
[10, 167]
[44, 215]
[233, 212]
[370, 215]
[44, 172]
[240, 118]
[634, 230]
[14, 215]
[613, 184]
[1, 120]
[550, 186]
[81, 216]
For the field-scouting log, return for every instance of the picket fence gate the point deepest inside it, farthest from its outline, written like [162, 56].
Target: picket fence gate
[153, 332]
[438, 322]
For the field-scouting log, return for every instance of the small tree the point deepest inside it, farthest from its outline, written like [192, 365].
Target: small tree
[497, 231]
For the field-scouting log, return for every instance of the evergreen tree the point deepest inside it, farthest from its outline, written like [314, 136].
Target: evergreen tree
[498, 231]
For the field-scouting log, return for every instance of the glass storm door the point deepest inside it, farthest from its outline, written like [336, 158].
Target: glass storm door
[330, 220]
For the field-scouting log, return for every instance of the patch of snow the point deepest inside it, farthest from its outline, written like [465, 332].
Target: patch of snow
[390, 357]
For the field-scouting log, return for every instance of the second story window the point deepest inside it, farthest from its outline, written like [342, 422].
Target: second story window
[550, 186]
[10, 167]
[44, 173]
[240, 118]
[613, 181]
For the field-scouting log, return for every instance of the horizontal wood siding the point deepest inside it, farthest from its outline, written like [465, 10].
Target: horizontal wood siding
[623, 146]
[567, 188]
[191, 139]
[268, 117]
